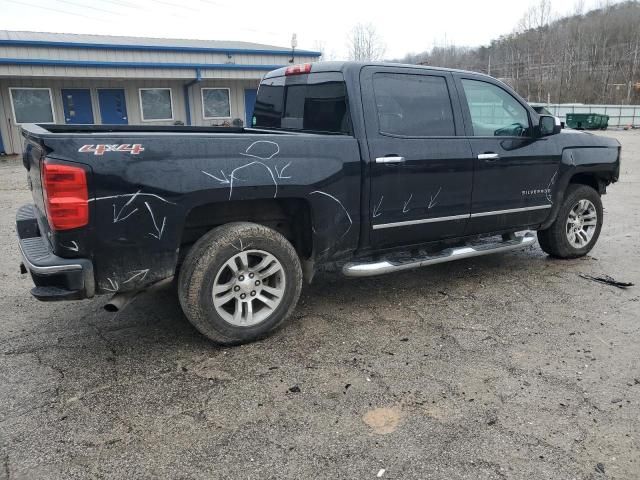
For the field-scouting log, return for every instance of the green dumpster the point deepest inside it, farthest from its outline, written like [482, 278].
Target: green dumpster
[587, 121]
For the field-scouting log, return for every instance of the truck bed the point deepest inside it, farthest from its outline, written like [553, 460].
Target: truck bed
[152, 190]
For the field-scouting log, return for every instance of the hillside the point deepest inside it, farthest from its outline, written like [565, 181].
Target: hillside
[591, 57]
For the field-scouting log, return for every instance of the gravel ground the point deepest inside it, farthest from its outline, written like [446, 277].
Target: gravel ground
[502, 367]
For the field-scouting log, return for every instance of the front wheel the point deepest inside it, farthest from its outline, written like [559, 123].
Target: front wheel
[577, 227]
[239, 282]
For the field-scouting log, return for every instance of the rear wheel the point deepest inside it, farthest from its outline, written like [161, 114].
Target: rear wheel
[240, 282]
[578, 224]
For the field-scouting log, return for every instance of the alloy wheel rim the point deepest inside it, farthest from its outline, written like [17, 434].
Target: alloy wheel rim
[248, 288]
[581, 223]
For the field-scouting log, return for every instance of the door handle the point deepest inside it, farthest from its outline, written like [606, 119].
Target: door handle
[488, 157]
[390, 159]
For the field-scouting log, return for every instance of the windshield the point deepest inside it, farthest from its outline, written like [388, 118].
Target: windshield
[313, 103]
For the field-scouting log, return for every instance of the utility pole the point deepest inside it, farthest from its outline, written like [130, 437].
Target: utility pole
[294, 44]
[633, 72]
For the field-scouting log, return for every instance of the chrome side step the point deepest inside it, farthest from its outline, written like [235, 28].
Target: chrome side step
[396, 264]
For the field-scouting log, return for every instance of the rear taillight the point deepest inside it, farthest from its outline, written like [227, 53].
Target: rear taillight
[65, 196]
[298, 69]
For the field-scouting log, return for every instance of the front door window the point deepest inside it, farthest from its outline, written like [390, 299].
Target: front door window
[494, 113]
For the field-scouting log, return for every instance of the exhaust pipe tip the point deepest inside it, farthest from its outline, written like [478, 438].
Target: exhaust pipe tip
[111, 308]
[120, 300]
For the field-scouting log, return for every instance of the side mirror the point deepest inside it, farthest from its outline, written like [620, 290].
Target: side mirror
[548, 126]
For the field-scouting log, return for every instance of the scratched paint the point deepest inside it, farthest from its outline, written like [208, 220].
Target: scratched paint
[377, 209]
[256, 162]
[159, 229]
[262, 150]
[113, 285]
[433, 200]
[122, 213]
[347, 216]
[552, 182]
[241, 247]
[222, 179]
[280, 172]
[137, 275]
[135, 194]
[73, 246]
[129, 209]
[406, 208]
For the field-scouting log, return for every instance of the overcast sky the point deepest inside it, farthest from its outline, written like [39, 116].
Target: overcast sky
[405, 26]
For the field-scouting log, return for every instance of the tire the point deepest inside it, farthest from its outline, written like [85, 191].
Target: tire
[555, 240]
[210, 263]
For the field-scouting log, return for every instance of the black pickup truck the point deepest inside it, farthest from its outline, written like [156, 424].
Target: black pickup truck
[373, 168]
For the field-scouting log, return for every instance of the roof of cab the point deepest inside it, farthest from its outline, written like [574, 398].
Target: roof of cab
[318, 67]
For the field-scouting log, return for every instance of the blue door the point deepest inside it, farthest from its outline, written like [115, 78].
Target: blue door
[77, 106]
[113, 106]
[2, 150]
[249, 104]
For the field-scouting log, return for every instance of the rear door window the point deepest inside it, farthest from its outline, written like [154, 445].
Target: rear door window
[412, 105]
[315, 102]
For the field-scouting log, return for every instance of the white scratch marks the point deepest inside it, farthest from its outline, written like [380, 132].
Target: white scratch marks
[118, 217]
[223, 181]
[406, 208]
[136, 194]
[159, 230]
[376, 209]
[549, 192]
[233, 176]
[271, 150]
[241, 248]
[319, 192]
[261, 150]
[114, 286]
[140, 275]
[280, 172]
[73, 247]
[432, 201]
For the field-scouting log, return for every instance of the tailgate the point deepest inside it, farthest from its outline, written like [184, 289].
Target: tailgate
[32, 160]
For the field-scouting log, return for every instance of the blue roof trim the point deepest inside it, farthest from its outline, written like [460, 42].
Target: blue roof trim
[157, 48]
[172, 66]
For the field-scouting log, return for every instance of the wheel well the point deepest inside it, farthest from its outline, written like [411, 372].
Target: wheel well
[589, 179]
[290, 217]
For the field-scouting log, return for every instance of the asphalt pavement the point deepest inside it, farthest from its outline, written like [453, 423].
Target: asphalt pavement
[508, 366]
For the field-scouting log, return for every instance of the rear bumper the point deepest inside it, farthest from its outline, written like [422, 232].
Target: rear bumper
[55, 278]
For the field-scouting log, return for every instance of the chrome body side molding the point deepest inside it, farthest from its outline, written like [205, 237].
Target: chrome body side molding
[511, 210]
[459, 217]
[418, 222]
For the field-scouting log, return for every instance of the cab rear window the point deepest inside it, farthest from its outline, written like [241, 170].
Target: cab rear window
[308, 103]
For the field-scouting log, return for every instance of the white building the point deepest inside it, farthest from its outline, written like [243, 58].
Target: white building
[91, 79]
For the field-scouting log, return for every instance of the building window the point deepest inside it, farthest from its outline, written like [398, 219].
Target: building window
[156, 104]
[215, 103]
[32, 105]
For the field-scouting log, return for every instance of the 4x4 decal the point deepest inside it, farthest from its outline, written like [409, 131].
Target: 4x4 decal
[134, 149]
